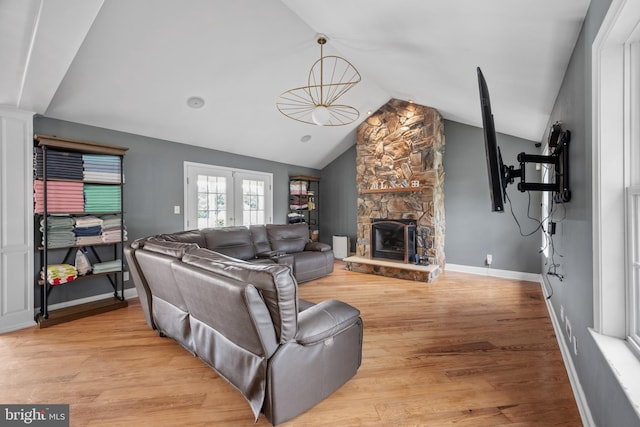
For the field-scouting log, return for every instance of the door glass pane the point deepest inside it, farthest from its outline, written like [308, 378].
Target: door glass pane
[253, 209]
[212, 201]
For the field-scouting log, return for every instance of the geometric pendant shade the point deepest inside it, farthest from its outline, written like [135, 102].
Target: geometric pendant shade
[330, 77]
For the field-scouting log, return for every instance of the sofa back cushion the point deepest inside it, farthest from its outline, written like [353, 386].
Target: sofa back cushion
[218, 302]
[172, 249]
[288, 238]
[156, 268]
[260, 238]
[275, 283]
[189, 236]
[232, 241]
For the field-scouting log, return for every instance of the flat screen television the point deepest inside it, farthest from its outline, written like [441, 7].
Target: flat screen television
[495, 167]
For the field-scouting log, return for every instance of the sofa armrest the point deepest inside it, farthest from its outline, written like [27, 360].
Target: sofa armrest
[324, 320]
[317, 246]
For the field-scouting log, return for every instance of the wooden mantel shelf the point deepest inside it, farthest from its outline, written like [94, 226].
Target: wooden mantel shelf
[391, 190]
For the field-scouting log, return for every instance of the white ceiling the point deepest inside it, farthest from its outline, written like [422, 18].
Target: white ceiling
[131, 65]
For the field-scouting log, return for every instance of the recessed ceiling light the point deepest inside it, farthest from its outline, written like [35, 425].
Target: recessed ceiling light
[305, 138]
[195, 102]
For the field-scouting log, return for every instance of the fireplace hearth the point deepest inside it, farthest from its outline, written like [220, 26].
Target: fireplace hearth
[393, 239]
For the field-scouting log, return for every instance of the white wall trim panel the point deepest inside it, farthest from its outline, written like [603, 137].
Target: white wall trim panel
[16, 219]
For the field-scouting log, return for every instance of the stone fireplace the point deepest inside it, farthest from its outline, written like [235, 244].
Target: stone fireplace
[400, 176]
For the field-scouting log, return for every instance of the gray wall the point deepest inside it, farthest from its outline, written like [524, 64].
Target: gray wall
[473, 230]
[154, 185]
[607, 402]
[339, 192]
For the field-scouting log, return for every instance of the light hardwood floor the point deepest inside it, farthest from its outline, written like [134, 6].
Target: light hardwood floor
[467, 350]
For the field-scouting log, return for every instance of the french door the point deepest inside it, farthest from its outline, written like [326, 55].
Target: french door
[216, 196]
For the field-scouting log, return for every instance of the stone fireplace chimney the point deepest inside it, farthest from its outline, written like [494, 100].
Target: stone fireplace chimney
[400, 175]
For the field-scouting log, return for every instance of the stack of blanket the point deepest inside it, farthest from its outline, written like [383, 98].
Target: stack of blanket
[101, 168]
[88, 230]
[59, 231]
[62, 196]
[57, 274]
[101, 198]
[60, 164]
[113, 229]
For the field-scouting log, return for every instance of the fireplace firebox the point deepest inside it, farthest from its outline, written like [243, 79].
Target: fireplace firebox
[393, 239]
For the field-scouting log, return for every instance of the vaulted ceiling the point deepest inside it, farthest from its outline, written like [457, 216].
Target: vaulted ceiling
[131, 65]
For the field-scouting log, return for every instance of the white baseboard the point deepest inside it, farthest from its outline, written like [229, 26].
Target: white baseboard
[17, 326]
[487, 271]
[578, 391]
[128, 294]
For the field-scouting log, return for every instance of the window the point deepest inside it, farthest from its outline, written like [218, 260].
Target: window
[633, 269]
[217, 196]
[616, 183]
[615, 142]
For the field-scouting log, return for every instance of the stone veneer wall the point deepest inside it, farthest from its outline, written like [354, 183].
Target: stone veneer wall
[400, 143]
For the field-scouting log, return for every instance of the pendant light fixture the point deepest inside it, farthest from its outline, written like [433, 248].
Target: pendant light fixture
[329, 78]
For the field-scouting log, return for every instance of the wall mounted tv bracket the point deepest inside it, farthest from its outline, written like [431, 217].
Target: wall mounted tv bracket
[559, 159]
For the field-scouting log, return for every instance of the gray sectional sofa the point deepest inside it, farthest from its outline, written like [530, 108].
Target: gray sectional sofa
[280, 243]
[243, 317]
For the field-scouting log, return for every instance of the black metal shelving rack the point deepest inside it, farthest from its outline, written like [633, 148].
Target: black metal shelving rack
[44, 318]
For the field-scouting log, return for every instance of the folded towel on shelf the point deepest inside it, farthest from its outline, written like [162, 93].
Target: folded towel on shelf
[59, 238]
[298, 207]
[61, 235]
[95, 230]
[59, 208]
[57, 274]
[92, 166]
[59, 221]
[59, 231]
[88, 221]
[107, 267]
[102, 177]
[60, 164]
[88, 240]
[114, 236]
[111, 221]
[52, 186]
[102, 198]
[62, 196]
[101, 158]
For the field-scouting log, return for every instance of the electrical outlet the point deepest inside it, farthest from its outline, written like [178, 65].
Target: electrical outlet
[568, 328]
[176, 209]
[575, 345]
[562, 313]
[489, 259]
[125, 276]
